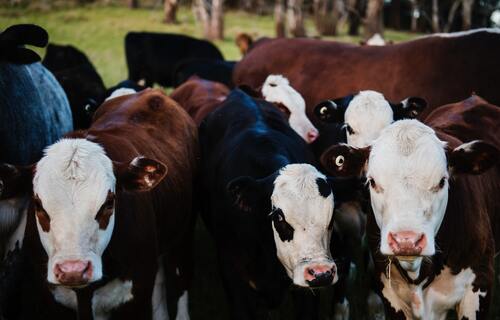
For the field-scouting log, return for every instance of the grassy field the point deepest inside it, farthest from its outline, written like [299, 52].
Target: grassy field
[100, 31]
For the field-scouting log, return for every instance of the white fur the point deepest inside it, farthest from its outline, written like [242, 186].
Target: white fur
[13, 222]
[446, 292]
[104, 300]
[159, 300]
[182, 307]
[296, 194]
[120, 92]
[495, 18]
[407, 162]
[367, 114]
[283, 93]
[72, 181]
[376, 40]
[465, 33]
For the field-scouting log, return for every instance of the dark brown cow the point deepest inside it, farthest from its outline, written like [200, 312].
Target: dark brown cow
[105, 223]
[433, 226]
[440, 69]
[199, 97]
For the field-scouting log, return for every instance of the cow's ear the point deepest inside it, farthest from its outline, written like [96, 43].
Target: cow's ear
[139, 175]
[249, 194]
[342, 160]
[330, 111]
[409, 108]
[474, 157]
[15, 180]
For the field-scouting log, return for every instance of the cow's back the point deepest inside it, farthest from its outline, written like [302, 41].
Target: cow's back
[322, 70]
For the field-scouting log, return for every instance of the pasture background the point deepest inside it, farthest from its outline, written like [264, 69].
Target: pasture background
[99, 32]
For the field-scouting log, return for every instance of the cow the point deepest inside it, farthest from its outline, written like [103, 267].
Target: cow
[199, 97]
[366, 113]
[269, 210]
[209, 69]
[105, 229]
[430, 230]
[79, 79]
[152, 56]
[320, 70]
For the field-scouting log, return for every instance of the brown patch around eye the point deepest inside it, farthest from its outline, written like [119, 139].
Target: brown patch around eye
[105, 212]
[440, 185]
[41, 214]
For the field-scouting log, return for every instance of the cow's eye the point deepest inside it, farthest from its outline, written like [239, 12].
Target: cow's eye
[442, 183]
[106, 211]
[372, 183]
[42, 215]
[349, 129]
[284, 230]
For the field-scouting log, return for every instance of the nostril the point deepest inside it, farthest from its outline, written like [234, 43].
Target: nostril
[311, 272]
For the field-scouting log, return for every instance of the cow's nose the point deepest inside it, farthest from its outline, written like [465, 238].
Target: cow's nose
[319, 275]
[73, 273]
[406, 243]
[312, 135]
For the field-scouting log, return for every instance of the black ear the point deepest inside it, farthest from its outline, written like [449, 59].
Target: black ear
[409, 108]
[328, 111]
[474, 157]
[342, 160]
[140, 175]
[249, 194]
[15, 37]
[15, 180]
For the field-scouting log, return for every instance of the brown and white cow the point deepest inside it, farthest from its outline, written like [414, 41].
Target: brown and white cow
[105, 229]
[430, 230]
[460, 63]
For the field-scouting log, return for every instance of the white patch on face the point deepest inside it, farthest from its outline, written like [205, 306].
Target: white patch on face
[446, 292]
[368, 114]
[13, 222]
[296, 194]
[376, 40]
[72, 182]
[120, 92]
[407, 163]
[104, 300]
[277, 89]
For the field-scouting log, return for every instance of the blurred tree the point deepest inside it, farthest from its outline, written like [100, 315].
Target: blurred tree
[467, 14]
[295, 18]
[451, 15]
[435, 16]
[395, 16]
[353, 9]
[415, 14]
[132, 4]
[279, 18]
[170, 11]
[211, 16]
[373, 20]
[326, 16]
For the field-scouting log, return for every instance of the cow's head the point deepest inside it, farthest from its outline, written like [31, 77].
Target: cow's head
[277, 89]
[407, 170]
[365, 114]
[299, 202]
[74, 192]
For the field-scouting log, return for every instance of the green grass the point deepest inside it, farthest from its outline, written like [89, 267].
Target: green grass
[99, 31]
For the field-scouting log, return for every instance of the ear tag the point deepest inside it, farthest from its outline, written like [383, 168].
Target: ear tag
[339, 161]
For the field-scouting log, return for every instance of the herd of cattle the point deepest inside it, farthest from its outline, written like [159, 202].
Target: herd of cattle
[294, 157]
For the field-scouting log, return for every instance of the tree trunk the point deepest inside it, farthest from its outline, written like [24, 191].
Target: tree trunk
[326, 16]
[451, 15]
[467, 14]
[395, 20]
[133, 4]
[217, 20]
[295, 19]
[354, 18]
[279, 18]
[374, 23]
[435, 16]
[170, 11]
[415, 14]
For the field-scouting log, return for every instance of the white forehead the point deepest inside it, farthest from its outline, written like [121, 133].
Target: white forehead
[368, 109]
[410, 152]
[376, 40]
[73, 169]
[296, 189]
[277, 89]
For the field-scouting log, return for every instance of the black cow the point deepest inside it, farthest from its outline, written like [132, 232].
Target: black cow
[79, 79]
[152, 56]
[268, 209]
[214, 70]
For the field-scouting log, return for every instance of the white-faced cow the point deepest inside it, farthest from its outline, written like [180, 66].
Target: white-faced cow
[270, 212]
[103, 223]
[430, 231]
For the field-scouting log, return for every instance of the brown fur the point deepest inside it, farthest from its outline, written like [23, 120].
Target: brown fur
[244, 41]
[322, 70]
